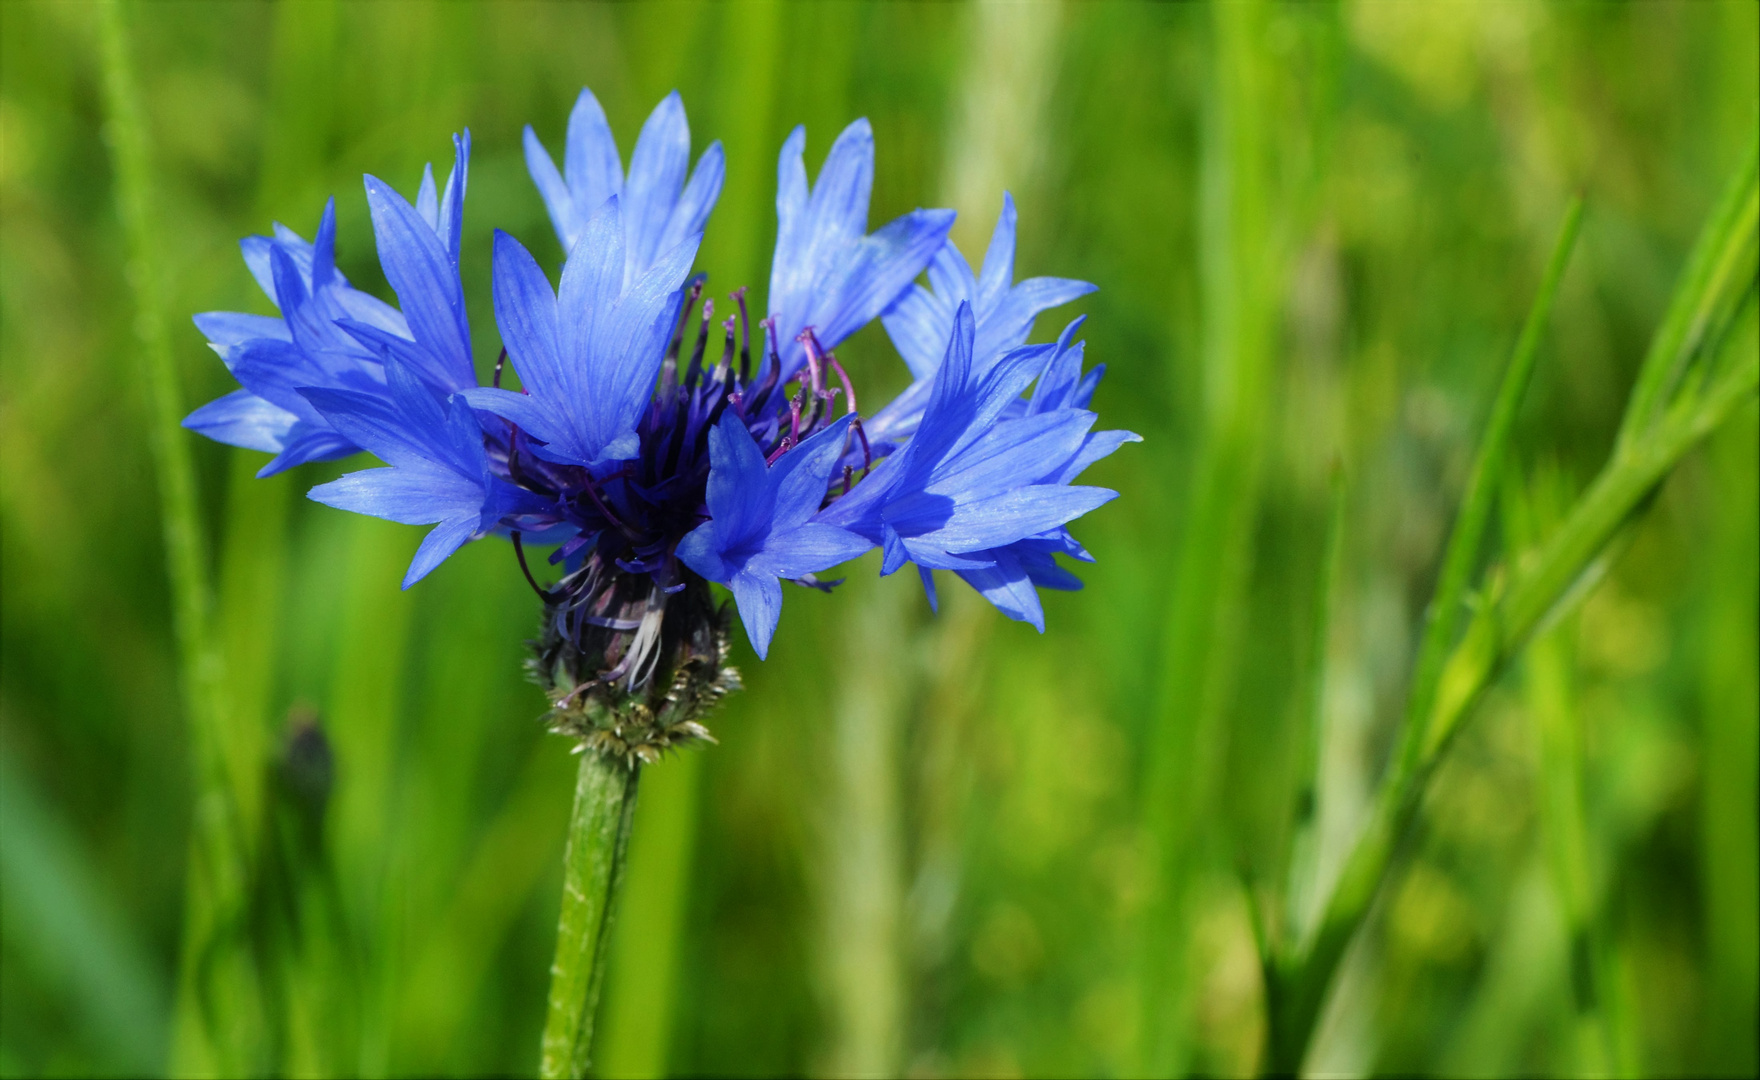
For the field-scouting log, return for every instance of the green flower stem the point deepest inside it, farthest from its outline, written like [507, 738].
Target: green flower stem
[1710, 381]
[592, 869]
[647, 941]
[214, 1032]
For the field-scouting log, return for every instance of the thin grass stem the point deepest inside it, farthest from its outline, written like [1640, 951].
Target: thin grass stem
[212, 1025]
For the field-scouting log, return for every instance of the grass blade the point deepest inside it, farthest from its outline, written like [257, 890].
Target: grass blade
[1683, 326]
[1464, 544]
[1509, 616]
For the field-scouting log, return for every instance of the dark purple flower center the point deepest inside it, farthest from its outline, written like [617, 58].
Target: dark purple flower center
[620, 566]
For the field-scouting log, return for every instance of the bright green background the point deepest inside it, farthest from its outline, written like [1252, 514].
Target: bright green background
[917, 838]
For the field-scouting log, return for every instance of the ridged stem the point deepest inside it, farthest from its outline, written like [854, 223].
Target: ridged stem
[592, 871]
[215, 987]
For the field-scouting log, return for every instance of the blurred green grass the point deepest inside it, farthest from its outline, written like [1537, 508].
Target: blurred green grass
[1423, 155]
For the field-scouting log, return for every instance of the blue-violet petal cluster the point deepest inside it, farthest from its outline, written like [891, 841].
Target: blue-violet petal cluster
[655, 443]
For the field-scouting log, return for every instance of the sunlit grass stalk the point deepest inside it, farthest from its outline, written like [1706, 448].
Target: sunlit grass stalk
[1730, 821]
[1186, 743]
[214, 1033]
[1305, 839]
[592, 870]
[1705, 382]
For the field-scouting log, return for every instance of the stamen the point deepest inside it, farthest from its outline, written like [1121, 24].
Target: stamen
[867, 454]
[684, 316]
[794, 430]
[843, 377]
[695, 371]
[726, 362]
[592, 490]
[500, 362]
[519, 552]
[745, 347]
[774, 364]
[816, 373]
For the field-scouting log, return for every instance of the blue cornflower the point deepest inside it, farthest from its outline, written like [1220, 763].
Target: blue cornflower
[656, 473]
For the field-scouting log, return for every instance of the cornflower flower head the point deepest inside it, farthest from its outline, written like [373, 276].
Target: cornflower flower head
[660, 448]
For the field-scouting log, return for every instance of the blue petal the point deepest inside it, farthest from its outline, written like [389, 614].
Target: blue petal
[951, 277]
[692, 211]
[918, 323]
[275, 370]
[1007, 586]
[998, 272]
[738, 494]
[803, 474]
[1003, 519]
[592, 280]
[425, 277]
[807, 549]
[450, 217]
[881, 269]
[428, 198]
[760, 606]
[308, 440]
[414, 494]
[440, 543]
[838, 211]
[1097, 445]
[525, 313]
[627, 353]
[551, 189]
[701, 551]
[241, 418]
[789, 273]
[1031, 450]
[928, 577]
[404, 351]
[590, 162]
[656, 175]
[532, 417]
[1009, 323]
[236, 328]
